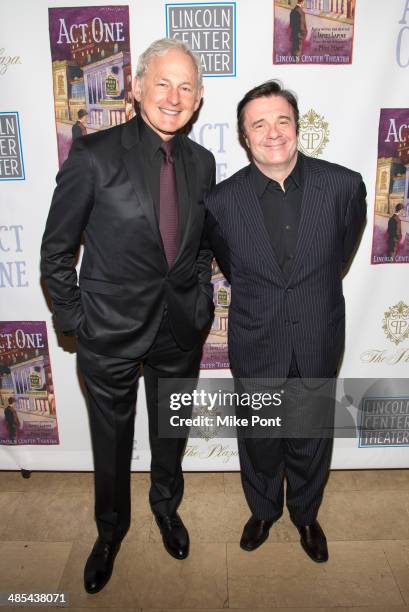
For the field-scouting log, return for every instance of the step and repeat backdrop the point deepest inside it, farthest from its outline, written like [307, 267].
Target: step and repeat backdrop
[66, 68]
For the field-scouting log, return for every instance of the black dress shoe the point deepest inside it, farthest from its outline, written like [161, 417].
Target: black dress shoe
[255, 532]
[99, 566]
[314, 542]
[174, 534]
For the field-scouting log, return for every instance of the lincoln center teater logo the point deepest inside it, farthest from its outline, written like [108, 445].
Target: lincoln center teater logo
[210, 30]
[396, 323]
[314, 133]
[11, 154]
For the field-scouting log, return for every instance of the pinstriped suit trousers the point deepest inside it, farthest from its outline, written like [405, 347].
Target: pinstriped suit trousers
[302, 462]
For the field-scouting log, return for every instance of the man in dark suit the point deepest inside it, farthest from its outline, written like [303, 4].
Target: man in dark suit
[134, 194]
[79, 128]
[395, 230]
[298, 27]
[283, 230]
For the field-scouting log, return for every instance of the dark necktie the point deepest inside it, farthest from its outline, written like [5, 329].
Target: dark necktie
[168, 207]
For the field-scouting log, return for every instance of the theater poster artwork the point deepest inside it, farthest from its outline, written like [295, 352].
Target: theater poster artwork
[215, 355]
[313, 31]
[91, 65]
[27, 405]
[391, 218]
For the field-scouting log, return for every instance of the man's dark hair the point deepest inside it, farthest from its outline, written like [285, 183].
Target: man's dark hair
[398, 207]
[11, 400]
[266, 90]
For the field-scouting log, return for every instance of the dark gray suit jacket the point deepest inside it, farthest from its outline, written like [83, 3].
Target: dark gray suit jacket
[270, 316]
[125, 282]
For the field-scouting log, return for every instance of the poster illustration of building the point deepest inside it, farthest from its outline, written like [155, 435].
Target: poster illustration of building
[215, 354]
[313, 31]
[91, 65]
[27, 404]
[390, 242]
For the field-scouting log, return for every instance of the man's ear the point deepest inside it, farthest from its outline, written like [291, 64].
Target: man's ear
[199, 96]
[137, 89]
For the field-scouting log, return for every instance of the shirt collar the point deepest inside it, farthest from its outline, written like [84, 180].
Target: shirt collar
[152, 141]
[260, 181]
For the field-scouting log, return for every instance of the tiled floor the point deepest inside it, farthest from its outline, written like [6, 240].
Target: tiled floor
[47, 531]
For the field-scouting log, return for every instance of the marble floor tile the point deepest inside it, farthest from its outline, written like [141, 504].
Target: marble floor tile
[116, 594]
[47, 481]
[147, 576]
[9, 502]
[32, 566]
[357, 574]
[221, 518]
[141, 519]
[61, 482]
[365, 515]
[140, 481]
[71, 609]
[159, 581]
[47, 531]
[208, 483]
[53, 517]
[345, 480]
[100, 609]
[368, 480]
[310, 609]
[232, 483]
[397, 554]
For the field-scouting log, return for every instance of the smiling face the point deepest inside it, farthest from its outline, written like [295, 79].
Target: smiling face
[271, 135]
[168, 94]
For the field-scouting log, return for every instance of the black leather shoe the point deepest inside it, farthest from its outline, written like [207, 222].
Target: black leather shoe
[314, 542]
[255, 532]
[99, 566]
[174, 534]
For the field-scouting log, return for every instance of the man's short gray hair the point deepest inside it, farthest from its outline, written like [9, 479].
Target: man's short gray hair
[162, 46]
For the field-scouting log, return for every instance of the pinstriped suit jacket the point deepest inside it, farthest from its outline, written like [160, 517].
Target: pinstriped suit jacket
[271, 316]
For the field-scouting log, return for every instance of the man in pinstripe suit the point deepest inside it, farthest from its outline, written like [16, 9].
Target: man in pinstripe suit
[283, 230]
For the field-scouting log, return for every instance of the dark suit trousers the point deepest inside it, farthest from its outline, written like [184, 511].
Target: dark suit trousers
[111, 384]
[303, 462]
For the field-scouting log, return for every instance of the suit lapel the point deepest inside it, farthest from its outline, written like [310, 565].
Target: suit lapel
[311, 206]
[251, 212]
[132, 159]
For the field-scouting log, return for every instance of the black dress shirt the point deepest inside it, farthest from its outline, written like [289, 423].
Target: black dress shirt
[281, 211]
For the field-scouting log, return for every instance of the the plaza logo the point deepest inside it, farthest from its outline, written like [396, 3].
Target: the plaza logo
[314, 133]
[8, 60]
[210, 30]
[220, 453]
[11, 155]
[396, 323]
